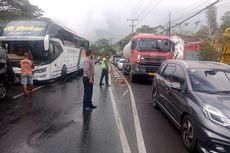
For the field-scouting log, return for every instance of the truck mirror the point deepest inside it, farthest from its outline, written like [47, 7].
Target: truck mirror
[173, 47]
[133, 45]
[46, 43]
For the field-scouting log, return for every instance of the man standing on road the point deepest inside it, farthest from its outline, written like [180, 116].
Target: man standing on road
[88, 81]
[105, 71]
[26, 73]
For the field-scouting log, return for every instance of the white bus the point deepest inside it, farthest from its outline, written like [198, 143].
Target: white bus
[54, 50]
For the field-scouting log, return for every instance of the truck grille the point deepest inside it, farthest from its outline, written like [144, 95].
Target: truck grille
[152, 60]
[151, 69]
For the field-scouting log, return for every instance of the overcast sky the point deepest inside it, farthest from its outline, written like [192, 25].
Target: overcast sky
[94, 19]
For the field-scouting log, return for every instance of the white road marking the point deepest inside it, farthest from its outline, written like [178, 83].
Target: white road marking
[139, 135]
[33, 91]
[123, 138]
[125, 92]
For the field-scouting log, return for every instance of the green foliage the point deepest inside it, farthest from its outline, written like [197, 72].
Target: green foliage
[103, 47]
[225, 21]
[121, 44]
[18, 9]
[207, 52]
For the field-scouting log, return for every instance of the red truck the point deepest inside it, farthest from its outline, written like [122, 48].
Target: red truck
[145, 53]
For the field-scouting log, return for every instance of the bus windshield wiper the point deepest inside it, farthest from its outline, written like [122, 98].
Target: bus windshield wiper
[221, 91]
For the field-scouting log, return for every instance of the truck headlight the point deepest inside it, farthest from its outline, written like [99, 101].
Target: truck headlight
[216, 116]
[40, 70]
[138, 57]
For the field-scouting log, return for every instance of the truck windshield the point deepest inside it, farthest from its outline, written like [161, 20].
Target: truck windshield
[154, 45]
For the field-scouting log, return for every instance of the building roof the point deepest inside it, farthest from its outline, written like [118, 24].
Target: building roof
[188, 38]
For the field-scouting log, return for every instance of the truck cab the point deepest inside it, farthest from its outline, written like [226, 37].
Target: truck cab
[146, 52]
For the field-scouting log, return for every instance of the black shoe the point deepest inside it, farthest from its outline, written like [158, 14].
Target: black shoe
[93, 106]
[87, 109]
[107, 85]
[101, 84]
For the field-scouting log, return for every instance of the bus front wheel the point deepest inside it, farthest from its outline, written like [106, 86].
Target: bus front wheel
[63, 72]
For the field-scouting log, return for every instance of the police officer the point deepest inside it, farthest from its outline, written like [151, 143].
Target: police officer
[105, 71]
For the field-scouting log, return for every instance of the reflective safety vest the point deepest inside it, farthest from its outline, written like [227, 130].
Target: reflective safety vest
[104, 64]
[26, 67]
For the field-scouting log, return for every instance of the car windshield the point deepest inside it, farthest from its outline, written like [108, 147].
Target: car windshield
[122, 60]
[154, 45]
[210, 80]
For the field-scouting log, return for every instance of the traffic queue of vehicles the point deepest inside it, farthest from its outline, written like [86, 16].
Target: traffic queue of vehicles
[195, 95]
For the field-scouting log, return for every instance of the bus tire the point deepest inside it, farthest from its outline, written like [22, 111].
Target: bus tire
[80, 73]
[63, 72]
[3, 90]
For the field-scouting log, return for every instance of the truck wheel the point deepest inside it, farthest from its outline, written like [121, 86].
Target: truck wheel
[124, 72]
[3, 90]
[63, 72]
[132, 77]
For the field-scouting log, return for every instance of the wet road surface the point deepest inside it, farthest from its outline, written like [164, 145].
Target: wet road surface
[51, 120]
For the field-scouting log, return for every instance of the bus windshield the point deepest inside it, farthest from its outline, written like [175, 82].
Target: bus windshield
[16, 50]
[25, 28]
[154, 45]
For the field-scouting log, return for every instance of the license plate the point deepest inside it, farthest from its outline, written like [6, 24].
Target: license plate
[151, 74]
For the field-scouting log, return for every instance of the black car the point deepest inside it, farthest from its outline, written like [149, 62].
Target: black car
[195, 95]
[6, 74]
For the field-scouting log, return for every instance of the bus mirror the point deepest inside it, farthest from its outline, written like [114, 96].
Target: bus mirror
[46, 43]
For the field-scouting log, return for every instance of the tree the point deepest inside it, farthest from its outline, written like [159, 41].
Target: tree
[225, 21]
[16, 9]
[211, 15]
[103, 47]
[207, 52]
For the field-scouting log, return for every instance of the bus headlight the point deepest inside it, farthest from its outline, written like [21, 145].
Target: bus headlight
[42, 70]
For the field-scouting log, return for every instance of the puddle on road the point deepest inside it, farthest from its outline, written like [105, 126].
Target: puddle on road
[38, 136]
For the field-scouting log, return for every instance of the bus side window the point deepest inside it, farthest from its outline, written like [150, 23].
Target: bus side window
[52, 48]
[58, 49]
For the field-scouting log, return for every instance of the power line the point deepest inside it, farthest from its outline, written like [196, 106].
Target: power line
[154, 6]
[139, 4]
[189, 12]
[143, 10]
[187, 7]
[192, 15]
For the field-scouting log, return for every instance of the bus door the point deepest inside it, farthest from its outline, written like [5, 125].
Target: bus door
[55, 51]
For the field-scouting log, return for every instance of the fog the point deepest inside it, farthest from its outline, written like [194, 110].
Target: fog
[95, 19]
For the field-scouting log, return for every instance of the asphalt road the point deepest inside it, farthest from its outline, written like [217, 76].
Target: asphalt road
[52, 121]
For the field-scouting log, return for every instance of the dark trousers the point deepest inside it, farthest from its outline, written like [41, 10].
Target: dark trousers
[104, 73]
[88, 92]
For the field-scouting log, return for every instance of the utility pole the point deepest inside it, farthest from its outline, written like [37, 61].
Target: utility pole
[132, 25]
[169, 24]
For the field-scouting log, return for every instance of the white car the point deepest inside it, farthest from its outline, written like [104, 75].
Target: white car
[120, 63]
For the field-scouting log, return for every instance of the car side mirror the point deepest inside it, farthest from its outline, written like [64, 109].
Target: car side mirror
[176, 86]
